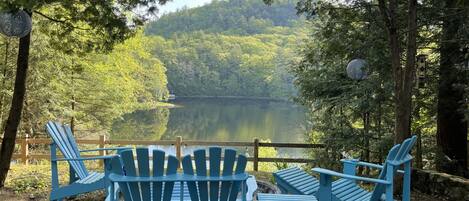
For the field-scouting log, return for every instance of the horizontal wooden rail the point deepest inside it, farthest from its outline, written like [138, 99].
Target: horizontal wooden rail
[217, 143]
[24, 155]
[290, 145]
[140, 142]
[287, 160]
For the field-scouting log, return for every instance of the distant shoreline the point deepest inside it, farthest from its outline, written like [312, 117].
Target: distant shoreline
[240, 97]
[164, 105]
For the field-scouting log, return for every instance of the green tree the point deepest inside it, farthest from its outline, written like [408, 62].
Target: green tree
[403, 75]
[452, 125]
[203, 64]
[344, 31]
[230, 48]
[108, 23]
[348, 115]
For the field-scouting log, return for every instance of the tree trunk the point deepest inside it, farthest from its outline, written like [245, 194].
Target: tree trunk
[451, 125]
[390, 18]
[403, 128]
[404, 105]
[403, 78]
[14, 117]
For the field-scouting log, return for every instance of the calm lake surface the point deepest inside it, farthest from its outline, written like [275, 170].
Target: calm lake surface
[216, 119]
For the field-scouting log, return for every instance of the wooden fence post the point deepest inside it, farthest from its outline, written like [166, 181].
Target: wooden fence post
[178, 149]
[24, 150]
[102, 141]
[256, 155]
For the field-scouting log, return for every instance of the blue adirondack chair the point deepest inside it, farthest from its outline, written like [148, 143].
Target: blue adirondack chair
[398, 156]
[81, 180]
[217, 183]
[284, 197]
[137, 184]
[296, 181]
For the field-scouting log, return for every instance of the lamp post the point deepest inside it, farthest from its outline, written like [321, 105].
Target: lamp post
[356, 71]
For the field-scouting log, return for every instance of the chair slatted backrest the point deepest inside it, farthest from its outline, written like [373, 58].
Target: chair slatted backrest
[223, 191]
[145, 191]
[397, 156]
[62, 136]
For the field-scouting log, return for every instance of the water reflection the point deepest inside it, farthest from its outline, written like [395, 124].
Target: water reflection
[215, 119]
[141, 125]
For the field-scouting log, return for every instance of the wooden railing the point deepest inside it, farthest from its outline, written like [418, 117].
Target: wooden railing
[24, 154]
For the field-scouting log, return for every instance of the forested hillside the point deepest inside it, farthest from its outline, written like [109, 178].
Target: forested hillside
[75, 80]
[86, 90]
[243, 17]
[229, 48]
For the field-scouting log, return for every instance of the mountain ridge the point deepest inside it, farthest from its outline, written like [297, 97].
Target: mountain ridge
[233, 17]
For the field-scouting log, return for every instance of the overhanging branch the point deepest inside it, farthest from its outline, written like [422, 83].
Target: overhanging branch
[59, 21]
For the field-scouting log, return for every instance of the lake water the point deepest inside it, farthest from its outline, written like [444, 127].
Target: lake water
[216, 119]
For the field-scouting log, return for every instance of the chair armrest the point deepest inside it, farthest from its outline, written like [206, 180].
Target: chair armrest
[177, 178]
[86, 158]
[351, 177]
[362, 163]
[106, 149]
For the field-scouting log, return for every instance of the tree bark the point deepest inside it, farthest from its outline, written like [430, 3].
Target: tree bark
[14, 117]
[403, 122]
[451, 125]
[403, 77]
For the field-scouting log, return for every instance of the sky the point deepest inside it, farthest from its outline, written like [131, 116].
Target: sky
[174, 5]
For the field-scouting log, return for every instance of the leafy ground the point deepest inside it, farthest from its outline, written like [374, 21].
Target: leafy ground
[32, 182]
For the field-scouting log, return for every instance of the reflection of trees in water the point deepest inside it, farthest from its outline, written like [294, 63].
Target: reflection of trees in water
[230, 120]
[141, 125]
[215, 120]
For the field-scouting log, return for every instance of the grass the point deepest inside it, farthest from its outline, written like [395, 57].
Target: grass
[33, 182]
